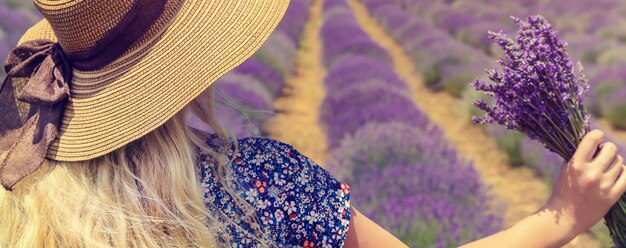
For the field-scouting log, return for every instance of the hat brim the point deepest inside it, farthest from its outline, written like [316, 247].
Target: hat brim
[144, 88]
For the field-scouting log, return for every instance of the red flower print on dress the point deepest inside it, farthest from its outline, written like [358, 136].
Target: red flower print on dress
[296, 201]
[292, 216]
[260, 186]
[308, 243]
[345, 188]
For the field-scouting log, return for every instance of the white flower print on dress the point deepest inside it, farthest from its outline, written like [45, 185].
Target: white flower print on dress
[290, 207]
[297, 203]
[279, 215]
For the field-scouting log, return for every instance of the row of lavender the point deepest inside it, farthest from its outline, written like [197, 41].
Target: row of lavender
[457, 50]
[402, 172]
[593, 28]
[245, 96]
[590, 29]
[464, 23]
[445, 62]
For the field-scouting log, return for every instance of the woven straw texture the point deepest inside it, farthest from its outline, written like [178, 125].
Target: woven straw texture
[95, 17]
[187, 50]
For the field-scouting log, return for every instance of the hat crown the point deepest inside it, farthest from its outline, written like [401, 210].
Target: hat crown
[80, 24]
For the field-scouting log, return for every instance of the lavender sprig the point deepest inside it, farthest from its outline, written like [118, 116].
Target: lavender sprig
[537, 91]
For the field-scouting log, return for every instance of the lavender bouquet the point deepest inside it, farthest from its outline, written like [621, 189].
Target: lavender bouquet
[539, 92]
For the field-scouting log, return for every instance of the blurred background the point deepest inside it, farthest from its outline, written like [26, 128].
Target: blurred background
[376, 91]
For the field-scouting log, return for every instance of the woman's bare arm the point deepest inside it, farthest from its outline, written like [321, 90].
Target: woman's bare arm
[363, 233]
[542, 229]
[585, 190]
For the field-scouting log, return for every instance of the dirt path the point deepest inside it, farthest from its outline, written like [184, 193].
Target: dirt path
[297, 118]
[518, 188]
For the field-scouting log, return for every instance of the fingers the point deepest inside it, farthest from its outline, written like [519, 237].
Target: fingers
[613, 172]
[620, 186]
[587, 147]
[605, 157]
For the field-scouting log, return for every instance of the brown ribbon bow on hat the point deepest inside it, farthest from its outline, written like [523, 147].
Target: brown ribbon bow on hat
[49, 70]
[47, 91]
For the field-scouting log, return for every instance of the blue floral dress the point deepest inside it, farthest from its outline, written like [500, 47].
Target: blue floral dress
[297, 203]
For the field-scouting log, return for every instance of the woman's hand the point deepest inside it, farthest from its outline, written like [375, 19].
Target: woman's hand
[588, 186]
[584, 192]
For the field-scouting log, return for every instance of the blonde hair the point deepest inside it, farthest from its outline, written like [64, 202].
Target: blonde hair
[145, 194]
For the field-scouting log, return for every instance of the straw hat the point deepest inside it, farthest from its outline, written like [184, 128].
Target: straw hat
[133, 64]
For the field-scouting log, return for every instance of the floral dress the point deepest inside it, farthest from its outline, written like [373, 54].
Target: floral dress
[297, 203]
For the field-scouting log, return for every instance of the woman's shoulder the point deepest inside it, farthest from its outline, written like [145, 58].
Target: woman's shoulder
[291, 194]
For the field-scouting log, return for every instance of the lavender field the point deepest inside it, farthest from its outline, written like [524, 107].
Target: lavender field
[378, 93]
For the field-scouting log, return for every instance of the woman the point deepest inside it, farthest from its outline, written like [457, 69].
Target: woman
[96, 152]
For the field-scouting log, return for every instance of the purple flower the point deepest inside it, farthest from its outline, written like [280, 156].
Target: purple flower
[436, 205]
[455, 20]
[414, 186]
[267, 75]
[330, 5]
[413, 39]
[537, 91]
[387, 143]
[244, 97]
[374, 5]
[391, 16]
[355, 69]
[430, 47]
[345, 111]
[344, 36]
[354, 46]
[295, 17]
[376, 132]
